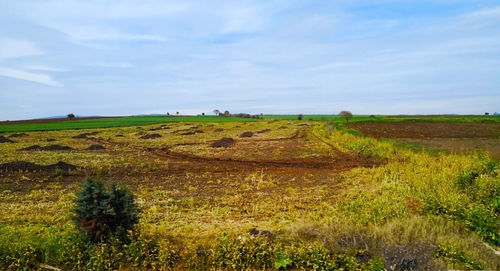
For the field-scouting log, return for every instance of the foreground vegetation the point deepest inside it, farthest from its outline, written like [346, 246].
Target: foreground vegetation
[417, 209]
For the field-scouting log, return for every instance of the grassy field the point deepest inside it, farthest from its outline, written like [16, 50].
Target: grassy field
[146, 120]
[329, 198]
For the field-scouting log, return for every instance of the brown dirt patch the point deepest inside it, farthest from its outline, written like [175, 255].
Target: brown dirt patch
[85, 135]
[225, 142]
[263, 131]
[246, 134]
[18, 135]
[55, 147]
[428, 129]
[193, 132]
[162, 127]
[218, 130]
[119, 135]
[28, 166]
[50, 140]
[96, 147]
[150, 136]
[5, 140]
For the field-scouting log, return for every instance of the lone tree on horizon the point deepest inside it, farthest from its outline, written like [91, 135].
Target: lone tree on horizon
[216, 112]
[346, 115]
[71, 116]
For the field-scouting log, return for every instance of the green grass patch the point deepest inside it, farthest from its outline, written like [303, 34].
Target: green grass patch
[113, 122]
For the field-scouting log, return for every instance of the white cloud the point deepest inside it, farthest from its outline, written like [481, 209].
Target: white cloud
[38, 67]
[29, 76]
[12, 48]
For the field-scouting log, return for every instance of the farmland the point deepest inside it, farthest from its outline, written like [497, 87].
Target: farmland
[232, 193]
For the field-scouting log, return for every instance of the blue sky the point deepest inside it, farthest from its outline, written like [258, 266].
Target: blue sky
[139, 57]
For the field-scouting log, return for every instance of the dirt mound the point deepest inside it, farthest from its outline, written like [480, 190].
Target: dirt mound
[263, 131]
[85, 135]
[50, 140]
[246, 134]
[162, 127]
[150, 136]
[218, 130]
[225, 142]
[55, 147]
[18, 135]
[28, 166]
[5, 140]
[193, 132]
[96, 147]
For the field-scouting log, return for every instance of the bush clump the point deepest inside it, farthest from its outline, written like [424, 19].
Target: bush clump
[103, 211]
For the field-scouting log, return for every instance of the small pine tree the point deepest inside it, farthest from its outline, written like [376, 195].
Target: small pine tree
[103, 211]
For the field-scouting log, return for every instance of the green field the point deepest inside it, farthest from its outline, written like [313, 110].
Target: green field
[146, 120]
[112, 122]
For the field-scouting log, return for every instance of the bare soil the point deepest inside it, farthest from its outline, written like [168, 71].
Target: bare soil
[55, 147]
[246, 134]
[28, 166]
[150, 136]
[5, 140]
[225, 142]
[85, 135]
[18, 135]
[96, 147]
[428, 129]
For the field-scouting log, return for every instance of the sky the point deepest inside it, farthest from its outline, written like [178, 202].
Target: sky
[122, 57]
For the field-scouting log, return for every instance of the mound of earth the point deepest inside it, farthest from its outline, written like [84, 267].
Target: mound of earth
[192, 132]
[85, 135]
[28, 166]
[96, 147]
[246, 134]
[218, 130]
[263, 131]
[47, 148]
[160, 128]
[150, 136]
[5, 140]
[18, 135]
[225, 142]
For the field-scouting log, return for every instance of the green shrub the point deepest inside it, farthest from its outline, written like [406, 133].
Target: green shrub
[456, 257]
[102, 212]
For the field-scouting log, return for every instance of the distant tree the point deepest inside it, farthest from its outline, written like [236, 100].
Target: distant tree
[203, 114]
[177, 113]
[216, 112]
[168, 114]
[226, 113]
[346, 115]
[486, 114]
[71, 116]
[300, 116]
